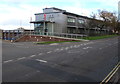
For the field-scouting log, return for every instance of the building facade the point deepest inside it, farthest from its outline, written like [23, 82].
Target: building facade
[54, 20]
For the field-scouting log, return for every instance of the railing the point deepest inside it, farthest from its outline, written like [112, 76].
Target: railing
[65, 35]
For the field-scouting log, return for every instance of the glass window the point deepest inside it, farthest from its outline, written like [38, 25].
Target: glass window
[81, 21]
[71, 20]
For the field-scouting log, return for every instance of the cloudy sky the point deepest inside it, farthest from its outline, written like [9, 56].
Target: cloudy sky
[17, 13]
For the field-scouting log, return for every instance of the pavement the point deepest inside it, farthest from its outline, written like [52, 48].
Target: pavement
[89, 61]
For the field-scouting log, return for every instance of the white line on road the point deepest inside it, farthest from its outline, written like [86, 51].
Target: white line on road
[81, 44]
[40, 53]
[7, 61]
[87, 47]
[32, 55]
[61, 49]
[49, 52]
[66, 48]
[71, 46]
[21, 58]
[57, 49]
[41, 60]
[84, 44]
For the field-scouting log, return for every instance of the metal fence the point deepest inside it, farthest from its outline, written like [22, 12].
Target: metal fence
[65, 35]
[17, 35]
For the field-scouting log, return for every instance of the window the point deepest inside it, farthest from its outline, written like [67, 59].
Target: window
[71, 20]
[81, 21]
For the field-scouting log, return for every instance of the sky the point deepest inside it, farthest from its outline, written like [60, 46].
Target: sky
[17, 13]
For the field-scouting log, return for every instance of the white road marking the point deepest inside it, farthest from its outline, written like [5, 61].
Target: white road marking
[84, 44]
[66, 48]
[57, 49]
[7, 61]
[75, 46]
[49, 52]
[21, 58]
[32, 55]
[54, 44]
[81, 44]
[40, 53]
[61, 49]
[41, 60]
[71, 46]
[87, 47]
[100, 48]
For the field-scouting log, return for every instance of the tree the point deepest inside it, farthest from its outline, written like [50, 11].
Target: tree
[110, 19]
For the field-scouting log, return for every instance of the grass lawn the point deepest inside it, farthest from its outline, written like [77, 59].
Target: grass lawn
[99, 37]
[50, 42]
[86, 38]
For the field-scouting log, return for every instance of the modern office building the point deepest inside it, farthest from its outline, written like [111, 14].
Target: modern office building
[55, 20]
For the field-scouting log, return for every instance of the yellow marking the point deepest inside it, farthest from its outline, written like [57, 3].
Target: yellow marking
[109, 76]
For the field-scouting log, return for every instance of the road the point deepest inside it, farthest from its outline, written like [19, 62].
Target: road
[88, 61]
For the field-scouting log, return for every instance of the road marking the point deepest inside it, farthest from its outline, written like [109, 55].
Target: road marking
[81, 44]
[56, 49]
[49, 52]
[87, 47]
[40, 53]
[54, 44]
[62, 48]
[32, 55]
[108, 77]
[100, 48]
[41, 60]
[21, 58]
[71, 46]
[7, 61]
[75, 46]
[66, 48]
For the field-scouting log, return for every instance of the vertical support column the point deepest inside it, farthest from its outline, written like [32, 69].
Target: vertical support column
[13, 35]
[8, 34]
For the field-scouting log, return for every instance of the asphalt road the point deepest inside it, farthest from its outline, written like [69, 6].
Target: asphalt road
[89, 61]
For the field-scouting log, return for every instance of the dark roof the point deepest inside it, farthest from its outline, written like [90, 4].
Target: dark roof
[55, 9]
[46, 13]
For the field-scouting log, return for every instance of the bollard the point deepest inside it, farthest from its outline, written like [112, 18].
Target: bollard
[37, 39]
[11, 41]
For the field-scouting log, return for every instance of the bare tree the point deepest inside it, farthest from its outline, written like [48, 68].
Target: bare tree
[109, 18]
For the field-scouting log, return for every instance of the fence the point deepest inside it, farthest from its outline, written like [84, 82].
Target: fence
[16, 35]
[65, 35]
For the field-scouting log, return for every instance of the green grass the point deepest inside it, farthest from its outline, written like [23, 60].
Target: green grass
[99, 37]
[50, 42]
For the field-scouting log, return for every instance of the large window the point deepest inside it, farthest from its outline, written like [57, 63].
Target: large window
[71, 20]
[81, 21]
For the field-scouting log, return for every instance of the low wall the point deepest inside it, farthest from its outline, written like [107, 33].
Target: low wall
[34, 38]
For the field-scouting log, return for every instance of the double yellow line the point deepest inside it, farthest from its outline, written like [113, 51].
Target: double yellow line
[110, 75]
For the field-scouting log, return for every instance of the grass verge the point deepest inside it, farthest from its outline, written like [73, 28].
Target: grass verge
[50, 42]
[99, 37]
